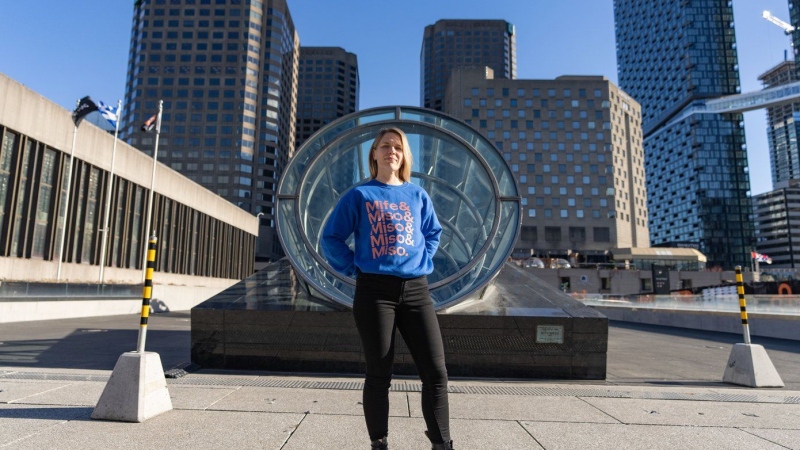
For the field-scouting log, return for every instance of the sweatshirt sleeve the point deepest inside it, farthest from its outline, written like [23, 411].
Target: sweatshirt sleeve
[339, 227]
[431, 228]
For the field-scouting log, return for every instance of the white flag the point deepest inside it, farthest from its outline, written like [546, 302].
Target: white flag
[110, 113]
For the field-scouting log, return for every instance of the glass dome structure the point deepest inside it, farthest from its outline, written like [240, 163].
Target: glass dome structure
[472, 188]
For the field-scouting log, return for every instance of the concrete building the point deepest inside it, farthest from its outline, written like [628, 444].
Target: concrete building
[783, 127]
[574, 145]
[777, 222]
[227, 73]
[456, 43]
[327, 89]
[205, 243]
[670, 54]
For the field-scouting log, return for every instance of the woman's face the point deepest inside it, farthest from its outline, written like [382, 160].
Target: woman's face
[389, 153]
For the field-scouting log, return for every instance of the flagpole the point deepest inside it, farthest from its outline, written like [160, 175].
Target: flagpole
[66, 205]
[108, 194]
[152, 187]
[757, 272]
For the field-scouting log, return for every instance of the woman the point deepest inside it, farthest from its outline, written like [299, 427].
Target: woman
[396, 234]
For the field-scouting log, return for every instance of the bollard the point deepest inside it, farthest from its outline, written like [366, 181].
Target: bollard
[749, 364]
[137, 389]
[147, 292]
[742, 304]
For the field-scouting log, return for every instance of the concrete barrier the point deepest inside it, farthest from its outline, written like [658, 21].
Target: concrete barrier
[780, 326]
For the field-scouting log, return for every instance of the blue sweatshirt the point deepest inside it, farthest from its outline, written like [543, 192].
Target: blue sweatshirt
[395, 230]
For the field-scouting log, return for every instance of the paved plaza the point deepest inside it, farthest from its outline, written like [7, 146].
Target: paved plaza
[663, 391]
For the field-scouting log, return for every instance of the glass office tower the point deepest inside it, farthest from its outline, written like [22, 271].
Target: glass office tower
[227, 73]
[461, 43]
[777, 222]
[670, 55]
[794, 19]
[783, 127]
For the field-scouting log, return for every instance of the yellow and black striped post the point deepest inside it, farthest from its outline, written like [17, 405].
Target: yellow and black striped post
[147, 291]
[742, 304]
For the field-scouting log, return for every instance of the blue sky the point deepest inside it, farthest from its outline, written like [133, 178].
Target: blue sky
[67, 49]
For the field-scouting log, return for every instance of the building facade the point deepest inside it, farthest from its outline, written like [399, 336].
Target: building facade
[783, 127]
[227, 74]
[327, 88]
[670, 54]
[574, 145]
[456, 43]
[48, 189]
[794, 20]
[777, 222]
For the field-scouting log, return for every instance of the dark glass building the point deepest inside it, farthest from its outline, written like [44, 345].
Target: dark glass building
[777, 221]
[227, 73]
[794, 20]
[671, 55]
[783, 127]
[460, 43]
[327, 88]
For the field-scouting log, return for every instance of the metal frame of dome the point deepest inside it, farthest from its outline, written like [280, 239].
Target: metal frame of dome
[429, 124]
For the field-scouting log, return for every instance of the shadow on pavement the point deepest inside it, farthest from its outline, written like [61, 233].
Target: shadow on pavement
[94, 349]
[47, 413]
[785, 345]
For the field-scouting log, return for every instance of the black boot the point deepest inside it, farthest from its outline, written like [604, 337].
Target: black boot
[381, 444]
[443, 446]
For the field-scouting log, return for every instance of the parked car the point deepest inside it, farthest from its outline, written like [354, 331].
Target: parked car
[559, 263]
[534, 263]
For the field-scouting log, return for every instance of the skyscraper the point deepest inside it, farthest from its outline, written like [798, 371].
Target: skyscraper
[670, 55]
[574, 145]
[227, 73]
[459, 43]
[794, 19]
[783, 127]
[778, 224]
[328, 86]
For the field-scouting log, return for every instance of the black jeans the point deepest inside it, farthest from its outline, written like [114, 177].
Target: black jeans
[383, 303]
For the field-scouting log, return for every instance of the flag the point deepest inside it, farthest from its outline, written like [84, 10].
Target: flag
[85, 106]
[152, 124]
[761, 258]
[110, 113]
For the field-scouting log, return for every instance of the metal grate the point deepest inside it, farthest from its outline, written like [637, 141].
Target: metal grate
[403, 386]
[52, 376]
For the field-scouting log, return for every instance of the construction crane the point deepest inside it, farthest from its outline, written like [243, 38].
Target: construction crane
[787, 28]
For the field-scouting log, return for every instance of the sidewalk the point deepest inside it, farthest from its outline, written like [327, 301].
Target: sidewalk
[661, 393]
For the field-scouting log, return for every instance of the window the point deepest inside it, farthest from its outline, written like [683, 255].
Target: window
[601, 234]
[552, 234]
[577, 234]
[528, 234]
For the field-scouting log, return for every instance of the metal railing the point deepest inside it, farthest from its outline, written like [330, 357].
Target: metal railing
[28, 291]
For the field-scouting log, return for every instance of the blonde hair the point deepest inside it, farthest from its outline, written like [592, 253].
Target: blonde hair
[405, 169]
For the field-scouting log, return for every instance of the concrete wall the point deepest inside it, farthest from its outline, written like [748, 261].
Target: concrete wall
[24, 111]
[168, 295]
[778, 326]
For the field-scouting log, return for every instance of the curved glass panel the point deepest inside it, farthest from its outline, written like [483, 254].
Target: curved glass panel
[470, 185]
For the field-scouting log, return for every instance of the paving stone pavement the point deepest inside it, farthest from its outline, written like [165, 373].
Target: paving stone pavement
[663, 391]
